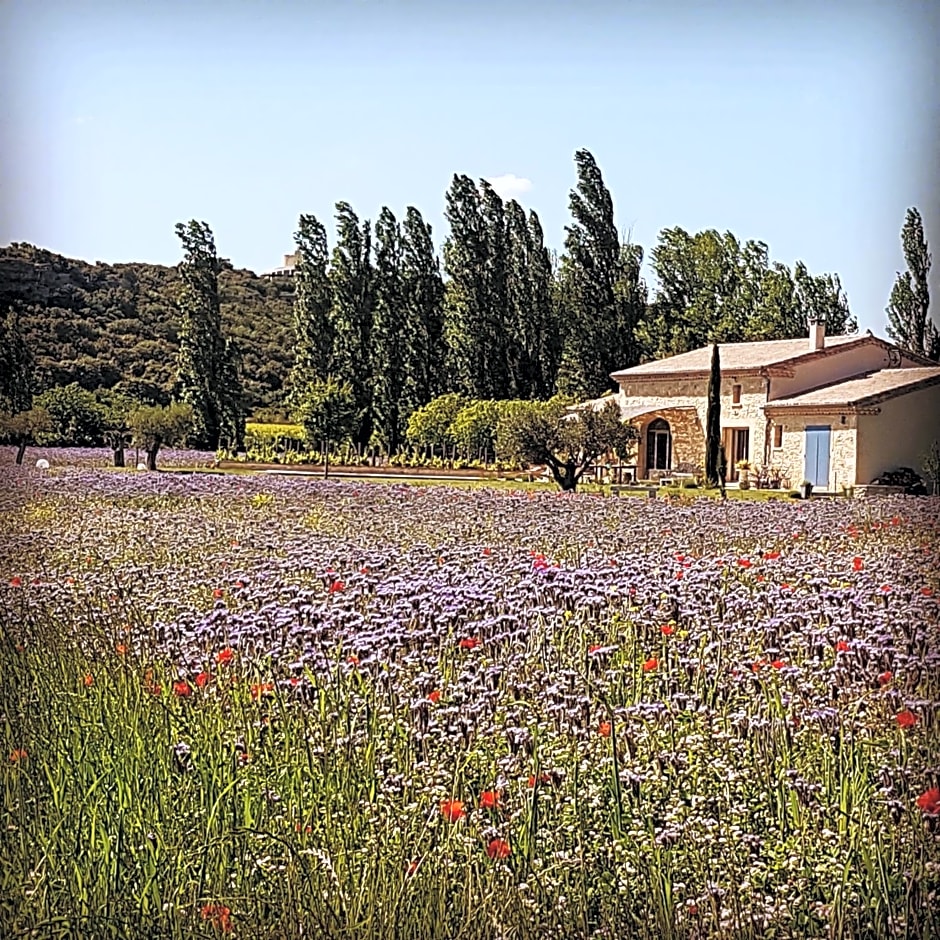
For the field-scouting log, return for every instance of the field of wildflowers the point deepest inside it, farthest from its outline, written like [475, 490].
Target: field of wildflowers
[292, 708]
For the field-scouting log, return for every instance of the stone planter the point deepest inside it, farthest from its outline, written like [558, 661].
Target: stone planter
[806, 490]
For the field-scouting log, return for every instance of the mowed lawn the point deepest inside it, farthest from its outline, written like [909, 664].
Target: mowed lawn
[275, 707]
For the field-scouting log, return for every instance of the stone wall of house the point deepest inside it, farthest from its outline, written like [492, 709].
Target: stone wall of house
[900, 434]
[688, 427]
[790, 457]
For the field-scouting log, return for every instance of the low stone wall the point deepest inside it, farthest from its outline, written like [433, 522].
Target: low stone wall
[868, 490]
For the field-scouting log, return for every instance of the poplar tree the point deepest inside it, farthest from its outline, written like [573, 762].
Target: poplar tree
[351, 277]
[207, 363]
[909, 322]
[313, 353]
[391, 355]
[423, 297]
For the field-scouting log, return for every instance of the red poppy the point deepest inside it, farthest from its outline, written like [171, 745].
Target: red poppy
[857, 563]
[651, 664]
[261, 688]
[760, 577]
[842, 646]
[929, 801]
[778, 663]
[239, 584]
[469, 643]
[885, 677]
[18, 755]
[603, 729]
[88, 680]
[680, 574]
[303, 829]
[336, 587]
[16, 581]
[352, 660]
[785, 586]
[487, 551]
[121, 649]
[217, 593]
[435, 696]
[927, 591]
[542, 778]
[498, 848]
[489, 799]
[412, 867]
[595, 648]
[770, 556]
[294, 680]
[744, 562]
[225, 656]
[452, 810]
[203, 679]
[755, 667]
[218, 915]
[363, 570]
[906, 719]
[885, 588]
[182, 689]
[667, 629]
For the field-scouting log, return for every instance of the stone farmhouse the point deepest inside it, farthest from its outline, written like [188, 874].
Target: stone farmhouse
[837, 411]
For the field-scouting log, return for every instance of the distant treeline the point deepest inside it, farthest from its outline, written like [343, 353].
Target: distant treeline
[497, 316]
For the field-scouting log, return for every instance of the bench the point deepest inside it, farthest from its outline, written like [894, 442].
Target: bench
[617, 489]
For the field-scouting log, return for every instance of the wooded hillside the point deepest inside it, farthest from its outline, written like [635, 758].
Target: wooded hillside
[115, 325]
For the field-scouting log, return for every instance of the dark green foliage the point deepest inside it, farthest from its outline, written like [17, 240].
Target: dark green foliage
[16, 364]
[600, 315]
[713, 421]
[76, 417]
[115, 326]
[711, 288]
[328, 412]
[207, 364]
[473, 429]
[467, 318]
[567, 441]
[422, 289]
[352, 280]
[313, 301]
[153, 426]
[542, 336]
[909, 321]
[390, 347]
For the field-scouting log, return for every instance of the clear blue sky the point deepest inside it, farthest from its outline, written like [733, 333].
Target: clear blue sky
[812, 127]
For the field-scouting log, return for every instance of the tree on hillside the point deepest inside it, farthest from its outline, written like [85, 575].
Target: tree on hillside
[207, 364]
[391, 353]
[467, 319]
[567, 441]
[599, 329]
[909, 322]
[154, 426]
[713, 421]
[313, 330]
[16, 364]
[351, 277]
[422, 290]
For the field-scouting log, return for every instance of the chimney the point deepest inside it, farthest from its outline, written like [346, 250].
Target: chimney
[817, 333]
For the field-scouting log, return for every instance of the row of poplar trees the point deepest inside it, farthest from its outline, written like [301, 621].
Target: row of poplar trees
[379, 313]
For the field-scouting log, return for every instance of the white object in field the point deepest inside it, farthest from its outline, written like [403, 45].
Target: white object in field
[42, 464]
[141, 466]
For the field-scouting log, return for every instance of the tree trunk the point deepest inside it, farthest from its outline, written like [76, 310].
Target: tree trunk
[21, 452]
[152, 451]
[118, 455]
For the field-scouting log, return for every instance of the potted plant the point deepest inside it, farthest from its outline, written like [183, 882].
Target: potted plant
[806, 489]
[744, 479]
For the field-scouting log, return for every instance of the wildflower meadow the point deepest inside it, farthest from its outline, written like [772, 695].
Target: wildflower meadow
[271, 707]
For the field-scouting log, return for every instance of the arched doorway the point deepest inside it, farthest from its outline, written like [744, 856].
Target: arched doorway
[658, 445]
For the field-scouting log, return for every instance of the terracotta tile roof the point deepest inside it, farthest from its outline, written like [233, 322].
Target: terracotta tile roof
[862, 390]
[740, 356]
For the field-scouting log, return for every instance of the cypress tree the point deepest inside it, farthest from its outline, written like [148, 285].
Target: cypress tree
[16, 365]
[713, 421]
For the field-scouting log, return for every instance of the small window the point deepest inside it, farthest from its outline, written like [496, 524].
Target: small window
[735, 394]
[778, 435]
